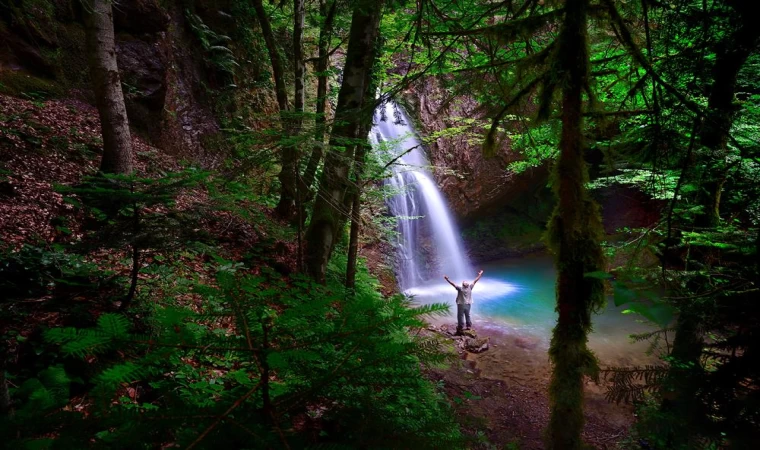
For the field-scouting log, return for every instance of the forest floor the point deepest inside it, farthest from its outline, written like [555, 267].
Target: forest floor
[503, 391]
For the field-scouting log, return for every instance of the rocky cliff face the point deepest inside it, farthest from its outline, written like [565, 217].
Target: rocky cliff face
[475, 186]
[501, 214]
[170, 83]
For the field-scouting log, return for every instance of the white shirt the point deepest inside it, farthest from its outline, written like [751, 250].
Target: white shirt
[464, 295]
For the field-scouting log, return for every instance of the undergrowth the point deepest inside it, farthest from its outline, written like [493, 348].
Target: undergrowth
[266, 361]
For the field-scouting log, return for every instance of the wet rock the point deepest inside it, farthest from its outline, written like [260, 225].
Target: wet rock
[476, 345]
[143, 72]
[20, 54]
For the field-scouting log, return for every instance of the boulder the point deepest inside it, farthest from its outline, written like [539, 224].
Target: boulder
[476, 345]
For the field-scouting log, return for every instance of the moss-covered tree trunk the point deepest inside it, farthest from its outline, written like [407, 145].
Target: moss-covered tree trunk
[329, 213]
[101, 50]
[575, 231]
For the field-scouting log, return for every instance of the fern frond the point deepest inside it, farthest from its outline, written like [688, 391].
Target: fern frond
[639, 337]
[122, 373]
[113, 325]
[79, 343]
[629, 384]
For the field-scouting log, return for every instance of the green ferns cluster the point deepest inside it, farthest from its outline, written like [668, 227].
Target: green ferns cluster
[217, 55]
[270, 362]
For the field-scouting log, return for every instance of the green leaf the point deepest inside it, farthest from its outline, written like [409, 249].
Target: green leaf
[660, 314]
[622, 295]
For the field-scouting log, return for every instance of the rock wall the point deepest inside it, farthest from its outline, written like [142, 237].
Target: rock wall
[501, 214]
[172, 89]
[475, 186]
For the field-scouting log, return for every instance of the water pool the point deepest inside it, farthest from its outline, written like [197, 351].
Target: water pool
[516, 296]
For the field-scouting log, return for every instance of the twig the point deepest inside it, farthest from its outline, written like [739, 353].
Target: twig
[234, 406]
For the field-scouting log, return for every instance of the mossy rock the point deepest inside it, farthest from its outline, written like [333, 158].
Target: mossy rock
[71, 59]
[24, 85]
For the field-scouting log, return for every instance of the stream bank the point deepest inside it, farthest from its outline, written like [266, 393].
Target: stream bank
[503, 392]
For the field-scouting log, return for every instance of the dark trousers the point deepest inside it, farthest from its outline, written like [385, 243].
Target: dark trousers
[463, 312]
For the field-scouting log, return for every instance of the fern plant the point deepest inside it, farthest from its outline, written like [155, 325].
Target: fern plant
[271, 362]
[216, 53]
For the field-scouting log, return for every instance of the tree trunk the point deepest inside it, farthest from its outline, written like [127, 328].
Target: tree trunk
[356, 220]
[680, 393]
[5, 397]
[680, 403]
[731, 55]
[323, 64]
[101, 48]
[286, 207]
[274, 56]
[329, 214]
[353, 240]
[575, 232]
[299, 67]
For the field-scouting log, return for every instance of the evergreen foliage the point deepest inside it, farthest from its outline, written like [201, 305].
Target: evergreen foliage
[661, 96]
[217, 54]
[303, 356]
[138, 213]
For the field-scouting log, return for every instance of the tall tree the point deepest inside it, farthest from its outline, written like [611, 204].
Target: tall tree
[354, 196]
[575, 233]
[327, 11]
[560, 68]
[731, 53]
[101, 48]
[329, 212]
[286, 207]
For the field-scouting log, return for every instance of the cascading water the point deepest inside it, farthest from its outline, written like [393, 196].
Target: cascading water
[422, 213]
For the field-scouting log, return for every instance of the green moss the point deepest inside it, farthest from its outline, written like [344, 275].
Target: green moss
[71, 60]
[21, 84]
[39, 8]
[37, 16]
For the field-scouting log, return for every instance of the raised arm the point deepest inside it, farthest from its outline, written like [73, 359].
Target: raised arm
[480, 274]
[446, 277]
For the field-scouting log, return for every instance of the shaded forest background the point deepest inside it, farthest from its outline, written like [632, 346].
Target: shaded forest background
[211, 264]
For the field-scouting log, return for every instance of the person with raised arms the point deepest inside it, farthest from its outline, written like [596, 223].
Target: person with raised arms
[464, 301]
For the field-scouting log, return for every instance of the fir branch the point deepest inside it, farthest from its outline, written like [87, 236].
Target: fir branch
[629, 384]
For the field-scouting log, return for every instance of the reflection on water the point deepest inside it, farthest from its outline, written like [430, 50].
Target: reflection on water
[517, 296]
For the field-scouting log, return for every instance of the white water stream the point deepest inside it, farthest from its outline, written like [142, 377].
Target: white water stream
[422, 214]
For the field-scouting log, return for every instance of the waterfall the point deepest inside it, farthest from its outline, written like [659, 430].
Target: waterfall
[428, 241]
